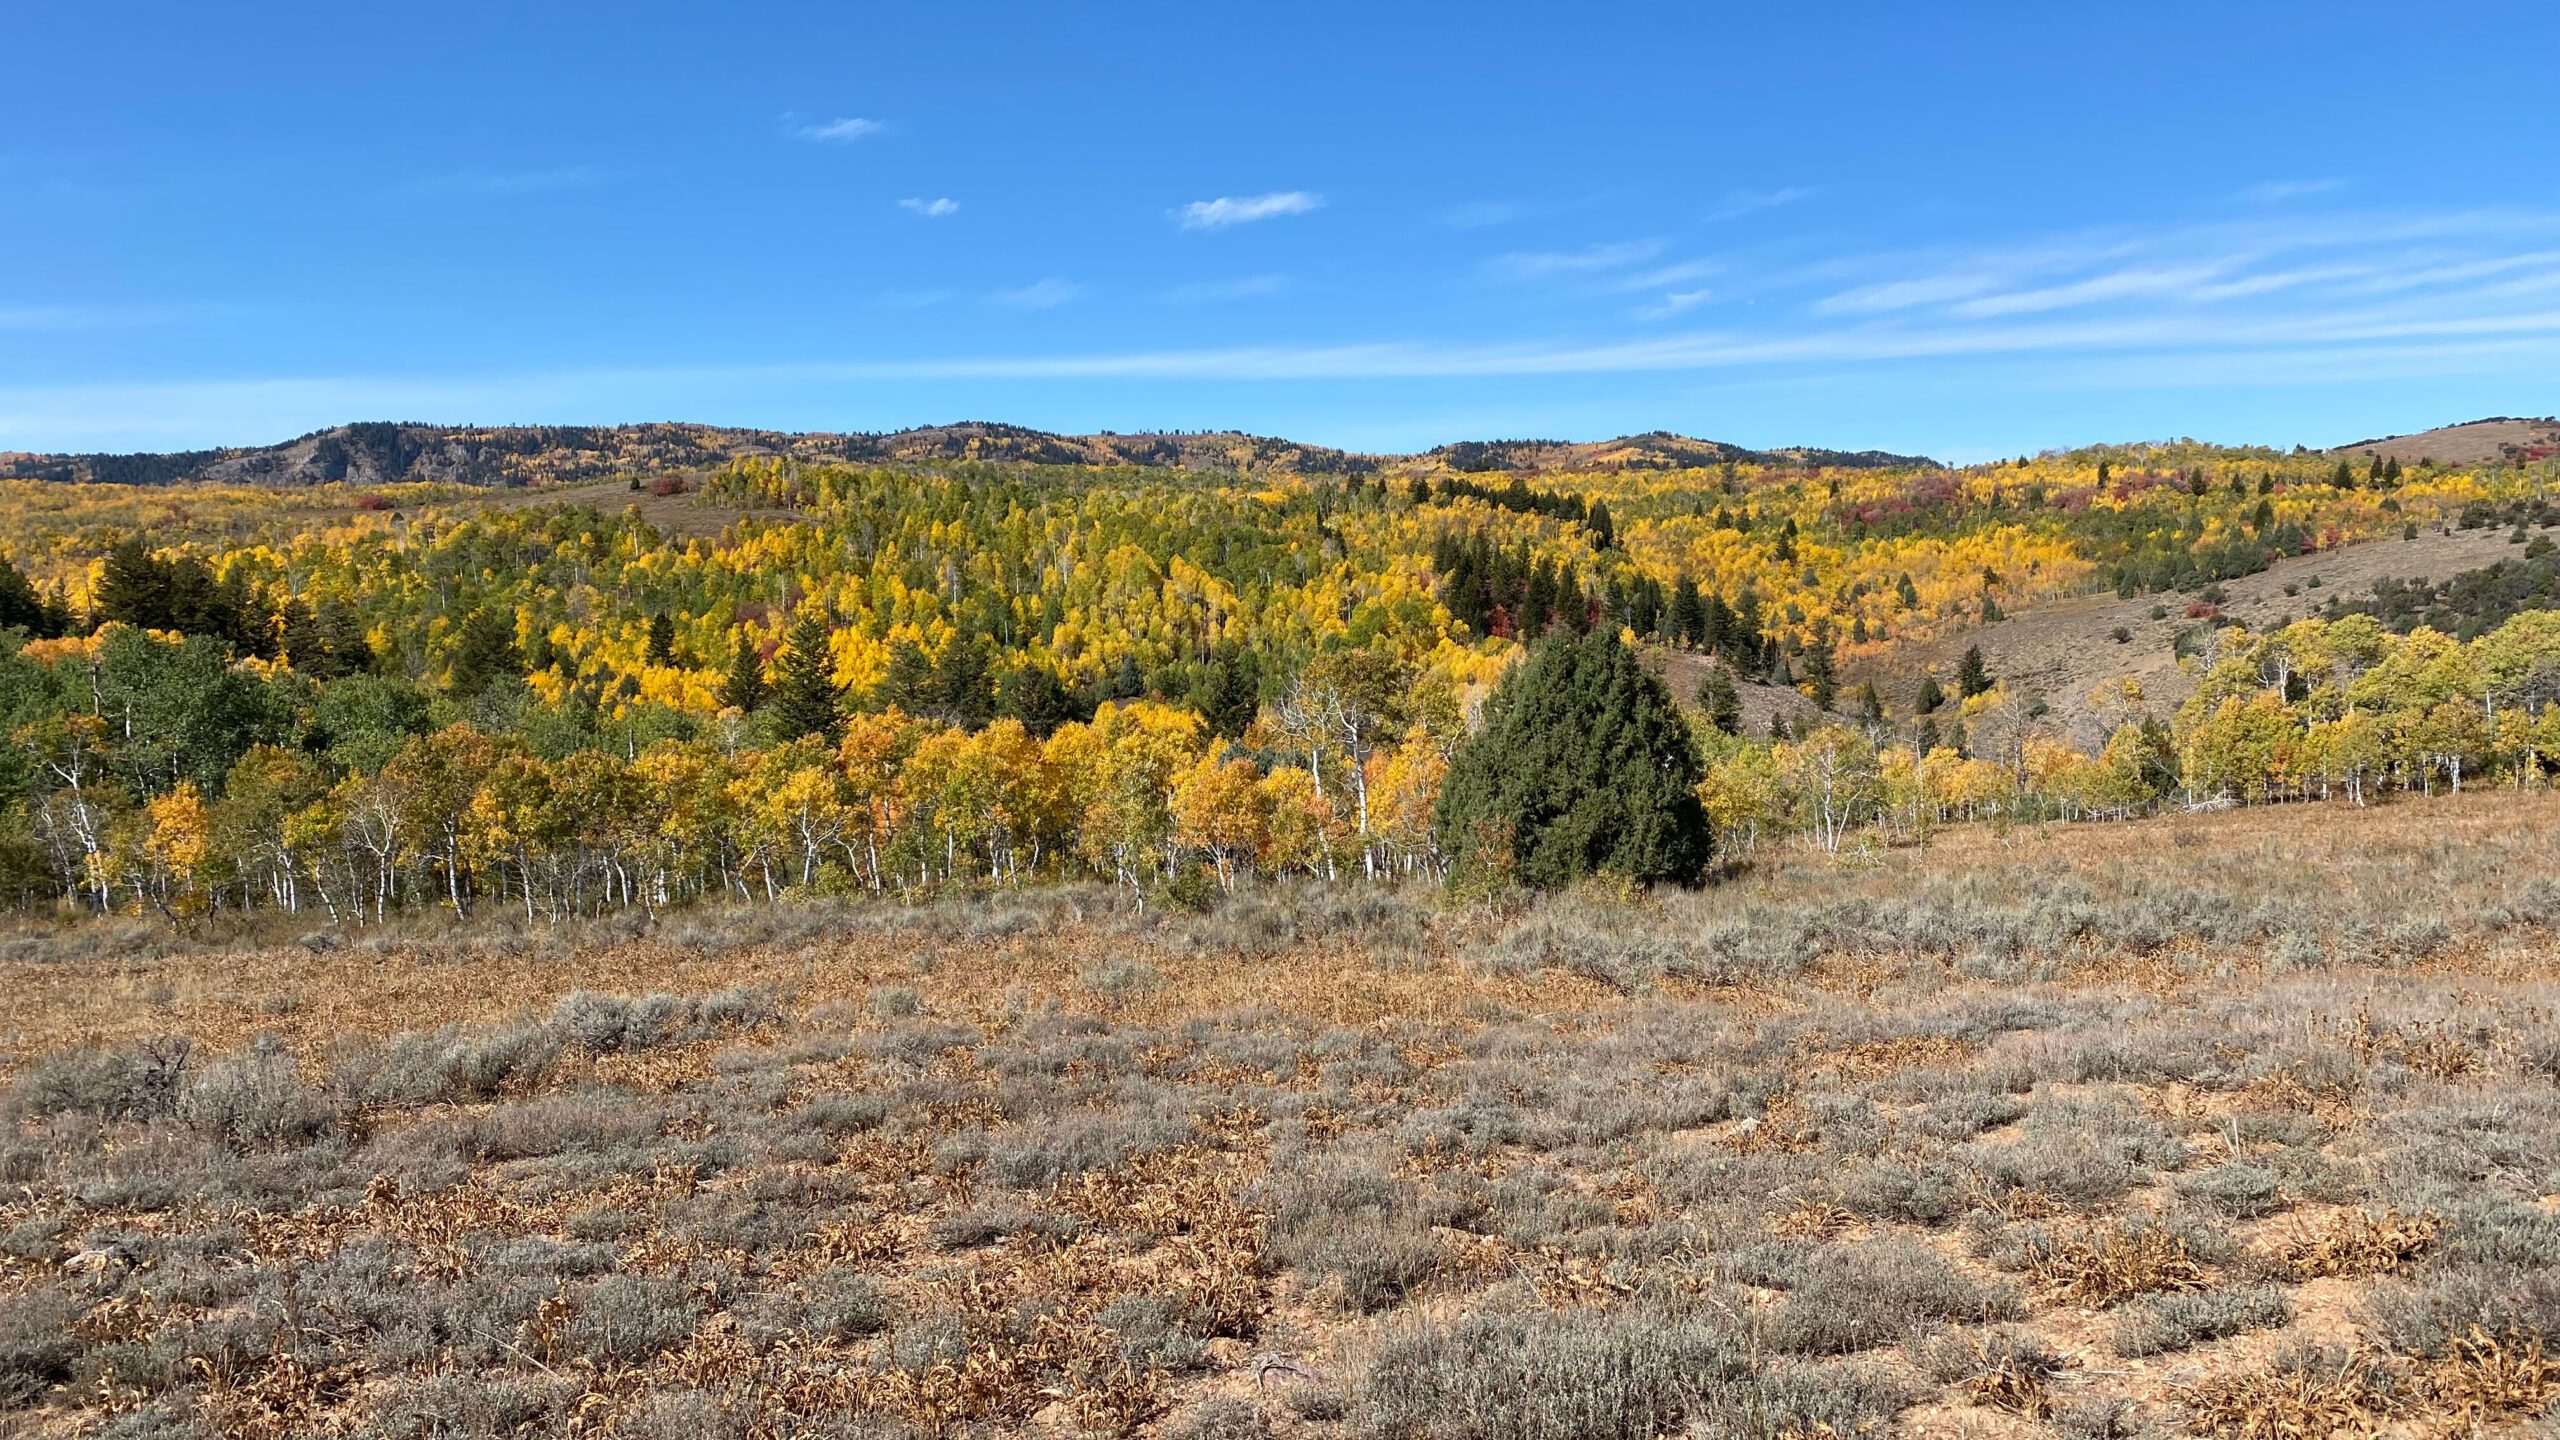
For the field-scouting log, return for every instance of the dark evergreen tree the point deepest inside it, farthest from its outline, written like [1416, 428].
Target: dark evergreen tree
[1929, 696]
[1572, 607]
[1924, 737]
[1583, 767]
[1687, 622]
[1538, 602]
[1034, 695]
[743, 689]
[1821, 673]
[1972, 675]
[1870, 706]
[662, 639]
[805, 699]
[1604, 531]
[964, 683]
[1227, 694]
[21, 608]
[907, 682]
[484, 653]
[1721, 700]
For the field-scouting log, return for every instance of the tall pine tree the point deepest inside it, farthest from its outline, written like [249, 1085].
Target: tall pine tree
[1972, 675]
[743, 690]
[805, 701]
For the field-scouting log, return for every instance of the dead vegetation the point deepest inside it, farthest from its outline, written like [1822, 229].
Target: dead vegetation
[2054, 1133]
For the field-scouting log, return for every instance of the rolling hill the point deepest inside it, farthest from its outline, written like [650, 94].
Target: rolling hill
[385, 453]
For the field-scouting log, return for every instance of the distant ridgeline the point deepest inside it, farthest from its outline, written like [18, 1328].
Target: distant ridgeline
[387, 453]
[1171, 661]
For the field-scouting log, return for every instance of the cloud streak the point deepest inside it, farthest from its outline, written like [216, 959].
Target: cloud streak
[937, 208]
[1526, 265]
[1745, 202]
[1046, 294]
[843, 130]
[1231, 210]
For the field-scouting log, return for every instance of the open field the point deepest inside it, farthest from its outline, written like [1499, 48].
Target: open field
[2194, 1125]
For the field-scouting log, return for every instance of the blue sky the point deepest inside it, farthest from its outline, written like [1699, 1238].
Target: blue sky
[1961, 229]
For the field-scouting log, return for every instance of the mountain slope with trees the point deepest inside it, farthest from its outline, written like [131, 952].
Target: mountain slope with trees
[914, 676]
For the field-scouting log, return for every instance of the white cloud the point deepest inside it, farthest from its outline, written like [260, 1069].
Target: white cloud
[2182, 348]
[1542, 264]
[841, 131]
[1743, 202]
[1663, 276]
[1229, 210]
[1476, 215]
[1904, 294]
[2276, 192]
[1243, 287]
[1046, 294]
[933, 209]
[2169, 282]
[1673, 303]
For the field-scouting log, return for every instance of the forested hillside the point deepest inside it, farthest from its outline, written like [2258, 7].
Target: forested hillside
[930, 673]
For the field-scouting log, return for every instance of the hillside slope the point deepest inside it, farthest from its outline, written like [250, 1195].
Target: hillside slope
[2059, 651]
[2474, 442]
[382, 453]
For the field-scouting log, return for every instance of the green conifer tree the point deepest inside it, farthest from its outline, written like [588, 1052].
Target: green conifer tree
[743, 689]
[1583, 767]
[805, 699]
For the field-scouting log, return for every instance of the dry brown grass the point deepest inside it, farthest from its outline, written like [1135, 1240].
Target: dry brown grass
[946, 1185]
[2109, 1264]
[2353, 1244]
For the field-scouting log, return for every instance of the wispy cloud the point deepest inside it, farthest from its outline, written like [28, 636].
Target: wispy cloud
[1243, 287]
[2309, 298]
[1229, 210]
[843, 130]
[2276, 192]
[2154, 283]
[1674, 303]
[2395, 341]
[505, 182]
[1522, 265]
[934, 209]
[1665, 275]
[61, 318]
[1478, 214]
[1891, 295]
[1744, 202]
[1046, 294]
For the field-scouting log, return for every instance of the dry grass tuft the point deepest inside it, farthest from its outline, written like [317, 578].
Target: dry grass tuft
[2485, 1378]
[2104, 1265]
[2353, 1244]
[2302, 1395]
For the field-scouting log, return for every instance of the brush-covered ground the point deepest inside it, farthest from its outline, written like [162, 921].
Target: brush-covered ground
[2241, 1125]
